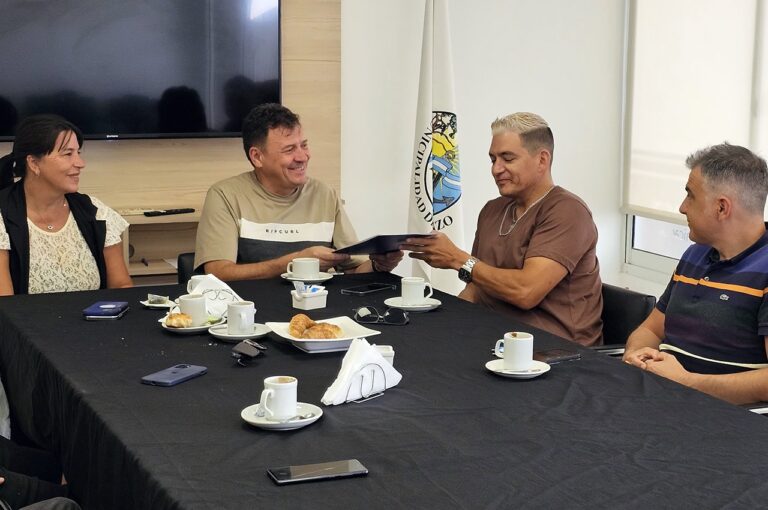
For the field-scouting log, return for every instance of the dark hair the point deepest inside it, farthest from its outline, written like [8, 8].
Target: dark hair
[35, 136]
[261, 119]
[735, 167]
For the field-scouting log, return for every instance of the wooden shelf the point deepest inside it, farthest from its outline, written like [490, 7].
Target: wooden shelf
[140, 219]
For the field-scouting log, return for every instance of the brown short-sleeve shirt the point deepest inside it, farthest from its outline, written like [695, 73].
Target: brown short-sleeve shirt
[560, 228]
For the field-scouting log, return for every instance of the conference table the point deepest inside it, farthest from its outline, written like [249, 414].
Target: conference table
[590, 433]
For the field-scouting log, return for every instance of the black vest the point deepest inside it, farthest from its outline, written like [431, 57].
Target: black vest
[13, 206]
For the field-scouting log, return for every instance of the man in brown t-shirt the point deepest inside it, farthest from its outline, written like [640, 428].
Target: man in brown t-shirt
[534, 252]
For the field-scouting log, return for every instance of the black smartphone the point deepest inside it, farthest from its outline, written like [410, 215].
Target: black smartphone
[312, 472]
[105, 310]
[363, 290]
[552, 356]
[174, 375]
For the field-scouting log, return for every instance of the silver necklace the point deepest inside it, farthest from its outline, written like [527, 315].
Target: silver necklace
[49, 226]
[515, 219]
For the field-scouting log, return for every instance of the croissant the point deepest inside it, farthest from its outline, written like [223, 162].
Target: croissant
[298, 324]
[322, 330]
[178, 320]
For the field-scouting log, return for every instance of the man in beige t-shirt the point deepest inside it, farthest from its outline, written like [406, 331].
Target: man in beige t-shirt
[255, 223]
[534, 252]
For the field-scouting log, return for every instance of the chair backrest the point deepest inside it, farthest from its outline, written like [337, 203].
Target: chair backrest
[623, 311]
[186, 266]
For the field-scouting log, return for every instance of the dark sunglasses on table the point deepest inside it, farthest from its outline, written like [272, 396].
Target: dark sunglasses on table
[370, 315]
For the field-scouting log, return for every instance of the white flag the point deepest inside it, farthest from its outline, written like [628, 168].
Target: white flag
[435, 188]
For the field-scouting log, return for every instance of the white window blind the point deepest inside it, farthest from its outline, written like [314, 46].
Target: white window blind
[694, 78]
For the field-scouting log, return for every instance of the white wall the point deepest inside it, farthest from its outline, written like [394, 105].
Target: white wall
[560, 59]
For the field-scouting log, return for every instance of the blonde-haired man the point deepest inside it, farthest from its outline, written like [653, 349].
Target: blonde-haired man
[534, 252]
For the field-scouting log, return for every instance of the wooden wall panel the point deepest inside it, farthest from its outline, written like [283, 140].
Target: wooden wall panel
[311, 70]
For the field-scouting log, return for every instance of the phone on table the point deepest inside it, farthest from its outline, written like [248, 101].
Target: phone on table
[364, 290]
[105, 310]
[312, 472]
[174, 375]
[552, 356]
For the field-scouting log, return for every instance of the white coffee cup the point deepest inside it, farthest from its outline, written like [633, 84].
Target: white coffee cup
[518, 350]
[194, 281]
[240, 317]
[278, 400]
[305, 267]
[194, 305]
[412, 288]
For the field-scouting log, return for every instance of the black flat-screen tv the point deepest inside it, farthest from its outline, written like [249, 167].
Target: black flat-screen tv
[139, 68]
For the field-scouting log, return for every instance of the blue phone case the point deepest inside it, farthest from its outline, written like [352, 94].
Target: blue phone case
[174, 375]
[106, 310]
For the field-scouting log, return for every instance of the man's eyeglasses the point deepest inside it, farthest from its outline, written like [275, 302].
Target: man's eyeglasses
[370, 315]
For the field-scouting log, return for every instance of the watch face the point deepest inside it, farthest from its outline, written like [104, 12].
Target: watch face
[465, 275]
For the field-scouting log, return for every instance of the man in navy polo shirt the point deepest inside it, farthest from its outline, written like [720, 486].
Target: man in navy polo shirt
[709, 330]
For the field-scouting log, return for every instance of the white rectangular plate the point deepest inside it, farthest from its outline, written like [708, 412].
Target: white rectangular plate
[349, 329]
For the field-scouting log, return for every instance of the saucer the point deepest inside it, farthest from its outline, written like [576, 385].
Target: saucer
[219, 331]
[397, 302]
[249, 415]
[536, 369]
[158, 306]
[322, 277]
[192, 330]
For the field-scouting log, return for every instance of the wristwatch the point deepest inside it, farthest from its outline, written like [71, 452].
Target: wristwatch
[465, 272]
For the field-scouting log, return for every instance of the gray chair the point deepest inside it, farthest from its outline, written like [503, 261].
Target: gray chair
[623, 311]
[186, 267]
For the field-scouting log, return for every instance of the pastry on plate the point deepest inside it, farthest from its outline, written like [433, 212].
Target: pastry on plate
[298, 324]
[322, 330]
[178, 320]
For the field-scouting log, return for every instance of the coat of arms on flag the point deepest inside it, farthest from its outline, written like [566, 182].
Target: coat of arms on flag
[437, 180]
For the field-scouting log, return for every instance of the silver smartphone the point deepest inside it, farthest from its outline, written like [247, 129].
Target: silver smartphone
[313, 472]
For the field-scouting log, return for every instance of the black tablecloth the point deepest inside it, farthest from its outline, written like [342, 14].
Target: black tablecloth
[589, 433]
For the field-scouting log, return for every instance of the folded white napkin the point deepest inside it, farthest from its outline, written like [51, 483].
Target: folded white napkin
[364, 372]
[217, 293]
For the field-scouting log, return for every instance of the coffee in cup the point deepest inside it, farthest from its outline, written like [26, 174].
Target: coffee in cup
[240, 317]
[412, 288]
[517, 350]
[307, 268]
[195, 306]
[278, 400]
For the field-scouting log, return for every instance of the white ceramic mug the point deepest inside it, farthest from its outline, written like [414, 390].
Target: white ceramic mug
[240, 317]
[517, 351]
[194, 281]
[278, 400]
[412, 288]
[194, 305]
[305, 267]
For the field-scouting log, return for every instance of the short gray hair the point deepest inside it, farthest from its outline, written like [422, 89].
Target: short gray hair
[735, 167]
[533, 130]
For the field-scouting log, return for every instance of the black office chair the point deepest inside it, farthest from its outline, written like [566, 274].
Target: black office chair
[623, 311]
[186, 267]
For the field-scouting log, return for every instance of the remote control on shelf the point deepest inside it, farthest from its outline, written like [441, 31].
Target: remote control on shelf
[165, 212]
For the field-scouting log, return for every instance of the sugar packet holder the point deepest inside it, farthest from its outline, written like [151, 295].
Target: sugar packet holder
[311, 298]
